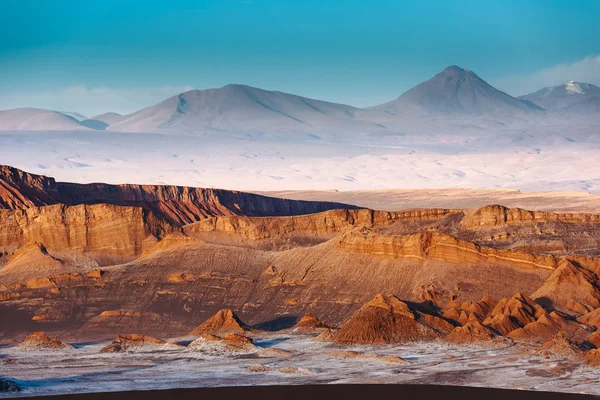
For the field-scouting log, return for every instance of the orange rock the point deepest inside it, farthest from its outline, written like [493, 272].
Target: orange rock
[496, 215]
[471, 332]
[237, 341]
[130, 342]
[308, 324]
[545, 326]
[592, 357]
[223, 322]
[570, 285]
[469, 310]
[385, 319]
[41, 341]
[559, 344]
[513, 313]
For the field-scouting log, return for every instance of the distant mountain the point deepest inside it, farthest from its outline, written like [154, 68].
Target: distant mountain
[109, 118]
[457, 91]
[34, 119]
[571, 96]
[245, 109]
[242, 110]
[76, 115]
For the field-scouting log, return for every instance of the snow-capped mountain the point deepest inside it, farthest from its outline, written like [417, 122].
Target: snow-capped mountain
[457, 91]
[571, 96]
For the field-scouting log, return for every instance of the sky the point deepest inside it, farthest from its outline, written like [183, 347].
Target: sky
[120, 55]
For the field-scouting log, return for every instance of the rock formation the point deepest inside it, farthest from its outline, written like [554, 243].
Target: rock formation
[513, 313]
[385, 319]
[463, 312]
[176, 204]
[309, 324]
[135, 342]
[41, 341]
[470, 333]
[561, 345]
[570, 286]
[496, 215]
[223, 322]
[228, 343]
[592, 357]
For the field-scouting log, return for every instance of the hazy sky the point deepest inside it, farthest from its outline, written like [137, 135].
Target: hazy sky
[97, 56]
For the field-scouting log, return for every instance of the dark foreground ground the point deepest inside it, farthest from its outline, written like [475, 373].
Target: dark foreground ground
[329, 392]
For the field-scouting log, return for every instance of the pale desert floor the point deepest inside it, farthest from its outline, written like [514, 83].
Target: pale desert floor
[399, 199]
[84, 369]
[405, 162]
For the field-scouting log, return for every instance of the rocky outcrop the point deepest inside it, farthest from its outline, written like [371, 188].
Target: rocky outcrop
[591, 318]
[463, 312]
[496, 215]
[135, 342]
[385, 319]
[326, 222]
[560, 345]
[223, 322]
[20, 190]
[177, 204]
[592, 357]
[513, 313]
[546, 326]
[100, 228]
[309, 324]
[41, 341]
[471, 332]
[439, 246]
[570, 286]
[228, 343]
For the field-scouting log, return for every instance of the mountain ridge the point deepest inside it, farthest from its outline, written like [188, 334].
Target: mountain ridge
[253, 112]
[456, 90]
[570, 97]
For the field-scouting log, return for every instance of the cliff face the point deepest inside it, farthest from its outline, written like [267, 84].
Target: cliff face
[101, 228]
[439, 246]
[20, 190]
[324, 224]
[496, 215]
[177, 204]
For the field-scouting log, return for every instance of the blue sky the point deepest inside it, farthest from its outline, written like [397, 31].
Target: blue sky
[96, 56]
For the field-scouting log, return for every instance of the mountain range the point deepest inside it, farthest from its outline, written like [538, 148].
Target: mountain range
[455, 93]
[569, 97]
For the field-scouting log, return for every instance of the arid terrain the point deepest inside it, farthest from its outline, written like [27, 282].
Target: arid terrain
[260, 290]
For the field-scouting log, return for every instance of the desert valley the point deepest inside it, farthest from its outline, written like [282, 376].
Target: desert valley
[112, 287]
